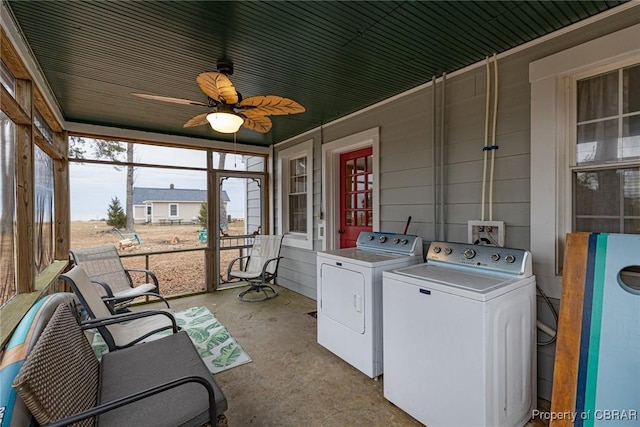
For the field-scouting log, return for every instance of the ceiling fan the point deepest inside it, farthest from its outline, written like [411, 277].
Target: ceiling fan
[228, 110]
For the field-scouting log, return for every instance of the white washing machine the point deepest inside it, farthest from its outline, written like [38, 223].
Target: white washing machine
[460, 337]
[350, 295]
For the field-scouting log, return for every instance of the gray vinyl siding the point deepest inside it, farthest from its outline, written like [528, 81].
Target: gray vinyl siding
[294, 273]
[253, 207]
[406, 184]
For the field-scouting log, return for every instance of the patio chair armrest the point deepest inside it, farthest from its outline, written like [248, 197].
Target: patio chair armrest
[116, 300]
[266, 264]
[147, 272]
[105, 286]
[124, 317]
[233, 261]
[114, 404]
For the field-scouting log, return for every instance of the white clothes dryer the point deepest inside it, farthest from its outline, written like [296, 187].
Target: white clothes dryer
[350, 295]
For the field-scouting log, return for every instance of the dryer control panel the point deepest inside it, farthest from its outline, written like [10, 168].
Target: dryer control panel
[402, 244]
[491, 258]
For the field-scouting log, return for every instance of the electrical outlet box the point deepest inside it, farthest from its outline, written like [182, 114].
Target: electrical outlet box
[489, 233]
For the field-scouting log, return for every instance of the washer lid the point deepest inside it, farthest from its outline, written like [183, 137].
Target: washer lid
[472, 284]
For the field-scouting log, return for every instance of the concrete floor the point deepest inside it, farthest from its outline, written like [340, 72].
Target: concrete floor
[292, 380]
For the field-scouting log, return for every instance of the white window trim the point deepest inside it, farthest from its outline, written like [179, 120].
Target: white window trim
[331, 183]
[177, 205]
[552, 108]
[296, 240]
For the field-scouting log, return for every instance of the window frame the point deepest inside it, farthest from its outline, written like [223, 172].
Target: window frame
[285, 156]
[169, 206]
[553, 136]
[572, 125]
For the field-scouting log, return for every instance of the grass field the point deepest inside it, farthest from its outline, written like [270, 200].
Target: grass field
[178, 273]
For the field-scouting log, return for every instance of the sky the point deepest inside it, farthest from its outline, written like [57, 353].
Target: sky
[93, 186]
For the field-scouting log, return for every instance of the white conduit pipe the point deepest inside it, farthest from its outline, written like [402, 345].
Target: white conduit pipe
[433, 156]
[494, 147]
[442, 136]
[486, 136]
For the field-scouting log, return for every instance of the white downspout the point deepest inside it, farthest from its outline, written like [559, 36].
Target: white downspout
[434, 201]
[494, 147]
[486, 136]
[442, 137]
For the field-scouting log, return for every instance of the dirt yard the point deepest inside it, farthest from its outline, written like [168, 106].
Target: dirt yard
[178, 273]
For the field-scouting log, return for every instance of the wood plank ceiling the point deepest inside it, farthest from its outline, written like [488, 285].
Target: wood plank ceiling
[334, 57]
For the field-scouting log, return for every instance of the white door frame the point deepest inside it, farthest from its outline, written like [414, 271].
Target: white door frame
[331, 183]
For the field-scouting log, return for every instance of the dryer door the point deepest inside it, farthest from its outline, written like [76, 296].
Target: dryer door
[342, 296]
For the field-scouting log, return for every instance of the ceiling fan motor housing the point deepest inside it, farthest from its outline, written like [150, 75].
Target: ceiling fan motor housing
[225, 67]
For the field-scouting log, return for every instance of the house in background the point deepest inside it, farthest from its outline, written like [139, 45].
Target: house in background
[164, 205]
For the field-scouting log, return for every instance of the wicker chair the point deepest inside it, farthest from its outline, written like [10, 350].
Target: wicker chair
[103, 265]
[163, 382]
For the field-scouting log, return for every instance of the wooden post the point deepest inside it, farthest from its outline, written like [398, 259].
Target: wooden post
[210, 261]
[25, 267]
[62, 214]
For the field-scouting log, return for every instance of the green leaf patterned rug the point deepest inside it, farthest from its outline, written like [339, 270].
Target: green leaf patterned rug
[218, 349]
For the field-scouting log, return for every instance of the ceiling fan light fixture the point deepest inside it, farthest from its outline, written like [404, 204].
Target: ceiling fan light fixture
[225, 122]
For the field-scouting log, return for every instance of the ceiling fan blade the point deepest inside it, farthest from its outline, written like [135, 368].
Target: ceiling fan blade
[199, 120]
[260, 124]
[169, 99]
[271, 105]
[216, 86]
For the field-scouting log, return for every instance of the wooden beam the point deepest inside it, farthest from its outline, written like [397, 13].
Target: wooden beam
[62, 214]
[45, 111]
[11, 58]
[12, 109]
[50, 149]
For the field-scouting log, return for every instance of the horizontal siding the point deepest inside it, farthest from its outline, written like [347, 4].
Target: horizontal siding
[297, 271]
[406, 172]
[546, 354]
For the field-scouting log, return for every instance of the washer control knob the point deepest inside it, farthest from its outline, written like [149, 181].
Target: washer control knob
[494, 256]
[404, 241]
[396, 240]
[437, 249]
[469, 253]
[370, 237]
[382, 239]
[448, 251]
[510, 259]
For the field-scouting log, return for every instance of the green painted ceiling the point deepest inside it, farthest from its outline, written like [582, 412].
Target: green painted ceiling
[333, 57]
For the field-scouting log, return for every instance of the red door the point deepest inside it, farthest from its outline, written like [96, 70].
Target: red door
[356, 195]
